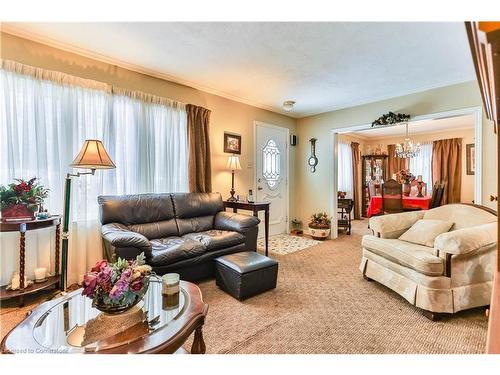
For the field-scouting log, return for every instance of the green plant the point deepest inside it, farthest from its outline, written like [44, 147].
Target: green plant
[391, 118]
[320, 220]
[296, 223]
[28, 193]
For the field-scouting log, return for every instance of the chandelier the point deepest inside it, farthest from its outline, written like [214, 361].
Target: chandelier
[407, 149]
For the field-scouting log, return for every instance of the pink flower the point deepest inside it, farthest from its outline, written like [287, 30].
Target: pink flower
[104, 278]
[137, 284]
[89, 284]
[99, 266]
[121, 286]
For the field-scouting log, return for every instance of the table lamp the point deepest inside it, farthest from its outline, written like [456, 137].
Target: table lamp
[92, 156]
[233, 163]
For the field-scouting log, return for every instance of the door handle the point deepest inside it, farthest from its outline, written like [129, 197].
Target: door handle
[259, 188]
[493, 198]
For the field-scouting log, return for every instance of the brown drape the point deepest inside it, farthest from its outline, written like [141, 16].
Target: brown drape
[394, 164]
[356, 182]
[447, 167]
[200, 166]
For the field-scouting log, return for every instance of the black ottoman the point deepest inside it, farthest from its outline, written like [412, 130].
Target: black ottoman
[245, 274]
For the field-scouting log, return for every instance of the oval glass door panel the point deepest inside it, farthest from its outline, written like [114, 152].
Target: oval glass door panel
[271, 164]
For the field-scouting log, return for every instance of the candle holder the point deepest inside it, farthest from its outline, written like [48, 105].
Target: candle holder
[170, 291]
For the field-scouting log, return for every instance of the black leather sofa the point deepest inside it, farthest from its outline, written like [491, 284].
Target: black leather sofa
[180, 233]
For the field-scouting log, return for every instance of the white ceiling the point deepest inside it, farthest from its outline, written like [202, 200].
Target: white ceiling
[322, 66]
[417, 127]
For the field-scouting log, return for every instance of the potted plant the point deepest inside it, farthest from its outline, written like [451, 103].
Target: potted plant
[116, 287]
[297, 227]
[319, 226]
[20, 200]
[406, 177]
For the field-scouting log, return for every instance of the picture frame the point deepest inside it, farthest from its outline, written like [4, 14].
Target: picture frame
[232, 143]
[470, 158]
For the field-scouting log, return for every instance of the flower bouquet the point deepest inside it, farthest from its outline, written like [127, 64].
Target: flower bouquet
[116, 287]
[406, 177]
[19, 201]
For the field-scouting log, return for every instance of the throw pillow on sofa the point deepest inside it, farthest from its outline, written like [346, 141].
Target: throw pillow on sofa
[423, 232]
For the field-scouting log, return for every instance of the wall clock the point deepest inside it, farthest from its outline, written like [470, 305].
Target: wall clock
[313, 160]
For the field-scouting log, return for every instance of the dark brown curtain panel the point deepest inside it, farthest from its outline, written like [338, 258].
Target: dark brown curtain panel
[394, 164]
[356, 182]
[447, 167]
[200, 166]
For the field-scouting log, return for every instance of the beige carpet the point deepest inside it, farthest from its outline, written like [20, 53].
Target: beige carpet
[323, 305]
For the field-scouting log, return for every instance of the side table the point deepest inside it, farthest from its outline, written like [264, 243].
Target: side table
[255, 208]
[22, 227]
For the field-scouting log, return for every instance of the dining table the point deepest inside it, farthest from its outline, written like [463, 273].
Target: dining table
[410, 202]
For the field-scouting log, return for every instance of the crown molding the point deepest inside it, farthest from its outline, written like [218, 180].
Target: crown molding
[9, 28]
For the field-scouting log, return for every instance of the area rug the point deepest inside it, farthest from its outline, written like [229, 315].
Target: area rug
[283, 244]
[322, 304]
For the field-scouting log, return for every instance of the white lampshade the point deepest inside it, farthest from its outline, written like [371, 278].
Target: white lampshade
[233, 163]
[93, 155]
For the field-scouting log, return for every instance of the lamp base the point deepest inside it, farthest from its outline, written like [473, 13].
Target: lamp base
[232, 198]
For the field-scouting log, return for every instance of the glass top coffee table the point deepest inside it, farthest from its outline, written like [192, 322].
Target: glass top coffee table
[70, 324]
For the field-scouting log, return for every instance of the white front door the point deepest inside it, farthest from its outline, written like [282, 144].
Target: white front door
[272, 174]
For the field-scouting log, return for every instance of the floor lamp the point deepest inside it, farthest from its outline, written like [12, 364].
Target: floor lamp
[92, 156]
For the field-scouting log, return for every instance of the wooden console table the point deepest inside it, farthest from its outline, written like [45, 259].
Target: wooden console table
[255, 208]
[22, 227]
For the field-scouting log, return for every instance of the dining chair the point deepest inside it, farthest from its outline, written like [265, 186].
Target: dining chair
[392, 197]
[437, 194]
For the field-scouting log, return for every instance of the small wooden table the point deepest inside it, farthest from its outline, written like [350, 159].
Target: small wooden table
[255, 208]
[52, 325]
[22, 227]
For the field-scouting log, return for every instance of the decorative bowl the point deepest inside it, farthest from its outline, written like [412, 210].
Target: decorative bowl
[120, 308]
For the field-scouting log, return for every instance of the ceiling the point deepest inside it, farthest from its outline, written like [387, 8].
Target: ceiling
[418, 127]
[322, 66]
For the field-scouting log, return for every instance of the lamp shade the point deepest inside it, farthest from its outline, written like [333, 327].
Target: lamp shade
[93, 155]
[233, 163]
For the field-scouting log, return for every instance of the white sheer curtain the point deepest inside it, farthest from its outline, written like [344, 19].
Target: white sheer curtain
[422, 165]
[345, 178]
[43, 126]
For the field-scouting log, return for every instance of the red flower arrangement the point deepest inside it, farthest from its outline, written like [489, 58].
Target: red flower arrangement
[21, 199]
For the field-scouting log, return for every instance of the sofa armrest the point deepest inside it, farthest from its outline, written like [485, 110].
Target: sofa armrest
[235, 222]
[394, 225]
[120, 242]
[244, 224]
[463, 241]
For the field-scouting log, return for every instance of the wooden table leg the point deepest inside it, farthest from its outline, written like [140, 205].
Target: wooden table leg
[198, 346]
[266, 226]
[22, 258]
[235, 210]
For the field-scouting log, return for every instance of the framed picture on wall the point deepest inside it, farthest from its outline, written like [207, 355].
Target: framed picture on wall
[232, 143]
[470, 158]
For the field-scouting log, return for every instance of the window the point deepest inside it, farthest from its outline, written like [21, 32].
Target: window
[422, 165]
[43, 124]
[345, 178]
[271, 163]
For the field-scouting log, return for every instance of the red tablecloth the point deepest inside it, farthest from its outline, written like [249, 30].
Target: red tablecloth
[375, 206]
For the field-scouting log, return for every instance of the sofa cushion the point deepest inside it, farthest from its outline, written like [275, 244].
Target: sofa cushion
[216, 239]
[463, 215]
[423, 232]
[417, 257]
[172, 249]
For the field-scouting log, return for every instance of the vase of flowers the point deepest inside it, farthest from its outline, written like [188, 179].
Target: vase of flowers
[19, 200]
[406, 178]
[319, 226]
[117, 287]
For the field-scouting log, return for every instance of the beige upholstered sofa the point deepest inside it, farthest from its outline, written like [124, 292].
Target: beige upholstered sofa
[456, 274]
